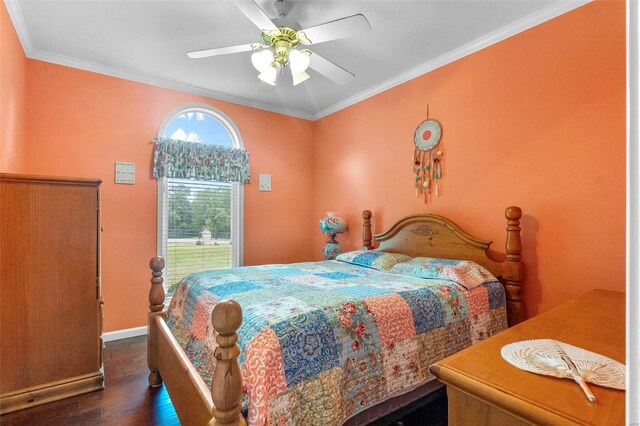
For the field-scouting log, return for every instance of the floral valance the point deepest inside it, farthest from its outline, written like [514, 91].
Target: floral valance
[192, 160]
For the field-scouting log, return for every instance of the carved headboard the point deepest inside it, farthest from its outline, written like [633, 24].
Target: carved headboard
[431, 235]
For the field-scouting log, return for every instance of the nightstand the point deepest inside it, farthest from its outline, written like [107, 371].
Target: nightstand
[483, 389]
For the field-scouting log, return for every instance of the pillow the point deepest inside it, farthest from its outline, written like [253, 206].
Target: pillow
[378, 260]
[464, 272]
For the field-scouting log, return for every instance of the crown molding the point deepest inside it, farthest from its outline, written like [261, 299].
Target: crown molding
[159, 82]
[20, 26]
[503, 33]
[537, 18]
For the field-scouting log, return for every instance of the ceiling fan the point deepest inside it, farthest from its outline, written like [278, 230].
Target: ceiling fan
[281, 38]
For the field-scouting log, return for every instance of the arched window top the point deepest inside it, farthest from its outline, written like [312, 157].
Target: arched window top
[201, 123]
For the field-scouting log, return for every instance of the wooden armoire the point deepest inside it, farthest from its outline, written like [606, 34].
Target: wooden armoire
[50, 301]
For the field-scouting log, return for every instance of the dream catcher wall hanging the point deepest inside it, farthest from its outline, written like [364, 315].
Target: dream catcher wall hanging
[427, 160]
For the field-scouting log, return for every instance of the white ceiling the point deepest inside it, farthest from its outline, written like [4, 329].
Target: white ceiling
[147, 41]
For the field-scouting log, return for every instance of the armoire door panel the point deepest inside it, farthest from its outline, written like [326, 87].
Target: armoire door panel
[49, 251]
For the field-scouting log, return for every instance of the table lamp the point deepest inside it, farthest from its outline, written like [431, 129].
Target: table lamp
[332, 224]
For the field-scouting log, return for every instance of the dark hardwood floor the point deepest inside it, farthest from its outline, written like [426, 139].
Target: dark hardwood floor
[128, 400]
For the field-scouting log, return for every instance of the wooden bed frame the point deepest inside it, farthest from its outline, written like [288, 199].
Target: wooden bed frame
[418, 235]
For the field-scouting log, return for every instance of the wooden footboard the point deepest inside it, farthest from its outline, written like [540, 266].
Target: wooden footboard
[194, 402]
[189, 393]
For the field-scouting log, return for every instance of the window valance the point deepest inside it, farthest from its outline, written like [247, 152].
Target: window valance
[191, 160]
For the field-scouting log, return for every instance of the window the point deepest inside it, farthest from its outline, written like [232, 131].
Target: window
[199, 223]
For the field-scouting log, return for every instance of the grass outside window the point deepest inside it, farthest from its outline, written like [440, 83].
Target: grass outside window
[184, 258]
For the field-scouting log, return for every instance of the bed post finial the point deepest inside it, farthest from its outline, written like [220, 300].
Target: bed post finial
[156, 293]
[226, 385]
[513, 273]
[366, 230]
[156, 307]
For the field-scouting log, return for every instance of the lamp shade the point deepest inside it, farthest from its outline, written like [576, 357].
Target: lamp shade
[299, 61]
[262, 60]
[332, 224]
[269, 76]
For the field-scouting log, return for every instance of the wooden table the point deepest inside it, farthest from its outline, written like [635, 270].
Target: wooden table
[483, 389]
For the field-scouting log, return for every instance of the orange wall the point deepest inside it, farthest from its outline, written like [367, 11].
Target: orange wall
[12, 98]
[537, 121]
[80, 123]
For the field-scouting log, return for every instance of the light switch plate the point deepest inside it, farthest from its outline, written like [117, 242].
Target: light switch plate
[265, 182]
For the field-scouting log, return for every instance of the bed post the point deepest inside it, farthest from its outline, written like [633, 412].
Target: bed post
[513, 270]
[156, 307]
[226, 385]
[366, 230]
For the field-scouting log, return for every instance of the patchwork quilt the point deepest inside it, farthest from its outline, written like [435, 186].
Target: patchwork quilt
[322, 341]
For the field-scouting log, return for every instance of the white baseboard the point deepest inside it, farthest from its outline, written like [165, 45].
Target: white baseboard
[110, 336]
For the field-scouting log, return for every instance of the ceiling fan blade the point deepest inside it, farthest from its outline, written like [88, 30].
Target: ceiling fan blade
[197, 54]
[329, 69]
[252, 11]
[333, 30]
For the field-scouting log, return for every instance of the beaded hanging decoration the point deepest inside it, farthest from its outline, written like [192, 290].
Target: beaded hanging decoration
[427, 161]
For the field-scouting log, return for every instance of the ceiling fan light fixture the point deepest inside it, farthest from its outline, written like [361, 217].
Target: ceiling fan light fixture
[299, 61]
[299, 77]
[280, 38]
[269, 76]
[262, 60]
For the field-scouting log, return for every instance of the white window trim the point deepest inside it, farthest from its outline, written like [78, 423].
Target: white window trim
[237, 193]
